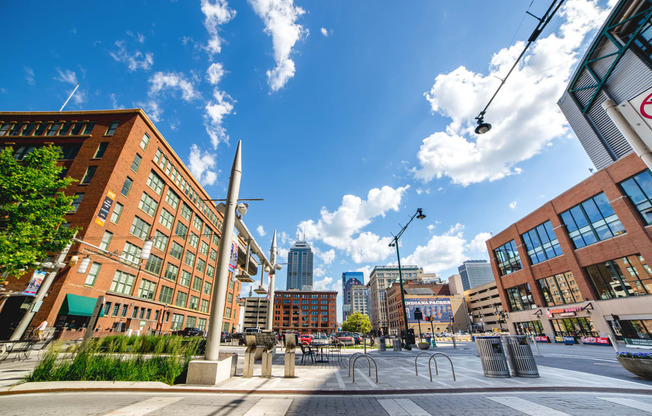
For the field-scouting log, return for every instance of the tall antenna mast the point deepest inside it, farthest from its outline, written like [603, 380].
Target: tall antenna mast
[69, 97]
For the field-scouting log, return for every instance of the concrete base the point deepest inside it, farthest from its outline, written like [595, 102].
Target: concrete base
[266, 369]
[248, 370]
[211, 372]
[290, 358]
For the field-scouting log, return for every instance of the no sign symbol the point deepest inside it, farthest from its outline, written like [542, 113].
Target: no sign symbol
[646, 102]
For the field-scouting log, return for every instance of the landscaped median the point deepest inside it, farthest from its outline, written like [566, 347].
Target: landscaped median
[121, 358]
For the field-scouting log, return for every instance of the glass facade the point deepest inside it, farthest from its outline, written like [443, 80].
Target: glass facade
[560, 289]
[574, 327]
[639, 190]
[529, 328]
[507, 258]
[592, 221]
[520, 297]
[626, 276]
[541, 243]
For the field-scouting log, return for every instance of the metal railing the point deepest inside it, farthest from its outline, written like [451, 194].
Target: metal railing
[433, 358]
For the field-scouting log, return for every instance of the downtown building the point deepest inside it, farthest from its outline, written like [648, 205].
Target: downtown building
[576, 269]
[349, 280]
[299, 275]
[305, 312]
[485, 310]
[132, 188]
[475, 273]
[255, 312]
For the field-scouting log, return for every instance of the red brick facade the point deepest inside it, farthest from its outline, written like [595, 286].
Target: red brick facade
[192, 307]
[306, 312]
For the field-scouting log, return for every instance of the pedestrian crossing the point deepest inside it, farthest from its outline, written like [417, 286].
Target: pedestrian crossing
[422, 405]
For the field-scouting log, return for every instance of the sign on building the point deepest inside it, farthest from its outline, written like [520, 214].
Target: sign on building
[438, 308]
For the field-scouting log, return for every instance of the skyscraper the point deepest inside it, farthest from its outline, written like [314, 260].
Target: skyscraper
[349, 279]
[300, 266]
[475, 273]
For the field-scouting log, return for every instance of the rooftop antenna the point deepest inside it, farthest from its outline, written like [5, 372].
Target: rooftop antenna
[69, 97]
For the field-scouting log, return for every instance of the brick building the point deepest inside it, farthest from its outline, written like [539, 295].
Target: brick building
[306, 312]
[132, 188]
[577, 267]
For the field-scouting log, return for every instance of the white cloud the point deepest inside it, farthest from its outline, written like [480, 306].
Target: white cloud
[68, 76]
[151, 108]
[318, 272]
[512, 204]
[337, 228]
[162, 81]
[478, 246]
[114, 102]
[217, 13]
[29, 75]
[214, 73]
[215, 112]
[324, 32]
[524, 115]
[261, 231]
[135, 60]
[279, 18]
[367, 272]
[202, 165]
[322, 284]
[326, 257]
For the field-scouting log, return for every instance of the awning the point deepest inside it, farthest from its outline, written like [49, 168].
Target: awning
[78, 306]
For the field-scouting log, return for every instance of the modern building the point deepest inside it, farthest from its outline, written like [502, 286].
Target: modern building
[379, 280]
[132, 187]
[359, 300]
[577, 267]
[306, 312]
[349, 279]
[255, 312]
[448, 312]
[475, 273]
[617, 66]
[300, 267]
[346, 276]
[485, 310]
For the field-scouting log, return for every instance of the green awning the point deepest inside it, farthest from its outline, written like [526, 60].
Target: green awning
[78, 306]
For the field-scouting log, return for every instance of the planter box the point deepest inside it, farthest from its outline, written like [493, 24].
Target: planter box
[642, 367]
[423, 345]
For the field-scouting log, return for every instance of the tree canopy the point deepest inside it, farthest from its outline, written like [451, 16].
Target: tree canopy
[357, 322]
[33, 207]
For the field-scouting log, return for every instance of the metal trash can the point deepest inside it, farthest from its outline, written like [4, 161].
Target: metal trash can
[381, 344]
[520, 357]
[397, 344]
[492, 356]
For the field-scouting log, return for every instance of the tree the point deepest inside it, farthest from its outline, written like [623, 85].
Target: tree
[33, 208]
[357, 322]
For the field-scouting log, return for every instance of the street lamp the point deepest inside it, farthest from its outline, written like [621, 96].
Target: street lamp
[420, 215]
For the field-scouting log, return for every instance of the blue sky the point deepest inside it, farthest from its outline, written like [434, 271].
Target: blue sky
[351, 114]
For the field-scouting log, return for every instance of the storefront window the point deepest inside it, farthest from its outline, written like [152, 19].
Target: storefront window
[560, 289]
[529, 328]
[574, 327]
[623, 277]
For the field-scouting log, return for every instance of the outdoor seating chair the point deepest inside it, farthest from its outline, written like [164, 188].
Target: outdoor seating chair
[20, 348]
[336, 349]
[307, 352]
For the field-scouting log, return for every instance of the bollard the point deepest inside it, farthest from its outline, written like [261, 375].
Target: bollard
[250, 355]
[266, 369]
[290, 345]
[453, 338]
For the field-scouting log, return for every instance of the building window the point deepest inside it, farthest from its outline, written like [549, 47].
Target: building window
[591, 221]
[186, 212]
[182, 299]
[213, 255]
[140, 228]
[210, 271]
[177, 322]
[166, 219]
[574, 327]
[4, 128]
[136, 163]
[166, 295]
[148, 204]
[134, 313]
[106, 240]
[201, 324]
[194, 303]
[623, 277]
[227, 313]
[560, 289]
[116, 309]
[176, 250]
[541, 243]
[74, 205]
[507, 258]
[147, 289]
[172, 199]
[161, 241]
[190, 259]
[196, 284]
[92, 274]
[158, 155]
[520, 297]
[88, 176]
[88, 128]
[193, 240]
[14, 131]
[107, 308]
[185, 278]
[155, 183]
[181, 230]
[131, 253]
[52, 130]
[171, 272]
[203, 248]
[639, 190]
[122, 283]
[144, 141]
[125, 308]
[197, 222]
[126, 187]
[101, 148]
[204, 306]
[112, 128]
[154, 264]
[201, 264]
[117, 211]
[208, 286]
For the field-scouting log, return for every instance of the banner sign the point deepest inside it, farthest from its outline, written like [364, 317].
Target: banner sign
[635, 341]
[595, 341]
[105, 208]
[438, 308]
[541, 338]
[233, 261]
[35, 283]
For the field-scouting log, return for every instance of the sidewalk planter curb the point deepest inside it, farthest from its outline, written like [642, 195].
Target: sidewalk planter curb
[423, 345]
[641, 367]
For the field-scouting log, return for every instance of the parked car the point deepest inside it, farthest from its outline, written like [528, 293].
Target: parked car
[305, 339]
[320, 339]
[189, 332]
[251, 330]
[356, 338]
[345, 338]
[226, 337]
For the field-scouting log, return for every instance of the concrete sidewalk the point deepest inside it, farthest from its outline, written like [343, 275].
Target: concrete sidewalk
[396, 375]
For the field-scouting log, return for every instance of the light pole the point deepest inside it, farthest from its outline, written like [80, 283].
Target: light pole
[420, 215]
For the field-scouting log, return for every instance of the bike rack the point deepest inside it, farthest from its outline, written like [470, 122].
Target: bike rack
[432, 357]
[353, 356]
[415, 361]
[368, 362]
